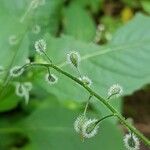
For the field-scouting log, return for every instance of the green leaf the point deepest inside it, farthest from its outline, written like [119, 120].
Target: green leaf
[146, 5]
[48, 16]
[93, 5]
[49, 125]
[18, 51]
[78, 23]
[118, 62]
[9, 102]
[9, 99]
[16, 8]
[111, 24]
[13, 53]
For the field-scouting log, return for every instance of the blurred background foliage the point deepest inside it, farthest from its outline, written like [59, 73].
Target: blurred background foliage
[113, 49]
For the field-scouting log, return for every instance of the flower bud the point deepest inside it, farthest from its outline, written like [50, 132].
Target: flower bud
[73, 58]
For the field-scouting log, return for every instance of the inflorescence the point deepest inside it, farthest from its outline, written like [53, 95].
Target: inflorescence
[85, 127]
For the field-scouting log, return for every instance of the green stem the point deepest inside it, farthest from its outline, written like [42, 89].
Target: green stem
[100, 120]
[87, 104]
[47, 57]
[110, 96]
[79, 73]
[112, 115]
[48, 71]
[109, 106]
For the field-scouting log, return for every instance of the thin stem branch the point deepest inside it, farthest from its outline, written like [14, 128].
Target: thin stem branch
[48, 70]
[112, 115]
[110, 107]
[110, 96]
[79, 73]
[87, 104]
[105, 102]
[47, 56]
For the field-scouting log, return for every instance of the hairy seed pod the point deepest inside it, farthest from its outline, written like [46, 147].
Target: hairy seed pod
[86, 80]
[40, 46]
[115, 90]
[79, 123]
[90, 128]
[73, 58]
[131, 142]
[51, 79]
[16, 71]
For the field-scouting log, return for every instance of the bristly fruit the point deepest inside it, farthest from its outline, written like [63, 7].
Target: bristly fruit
[79, 123]
[115, 90]
[73, 58]
[131, 142]
[51, 79]
[86, 80]
[86, 128]
[40, 46]
[16, 71]
[90, 128]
